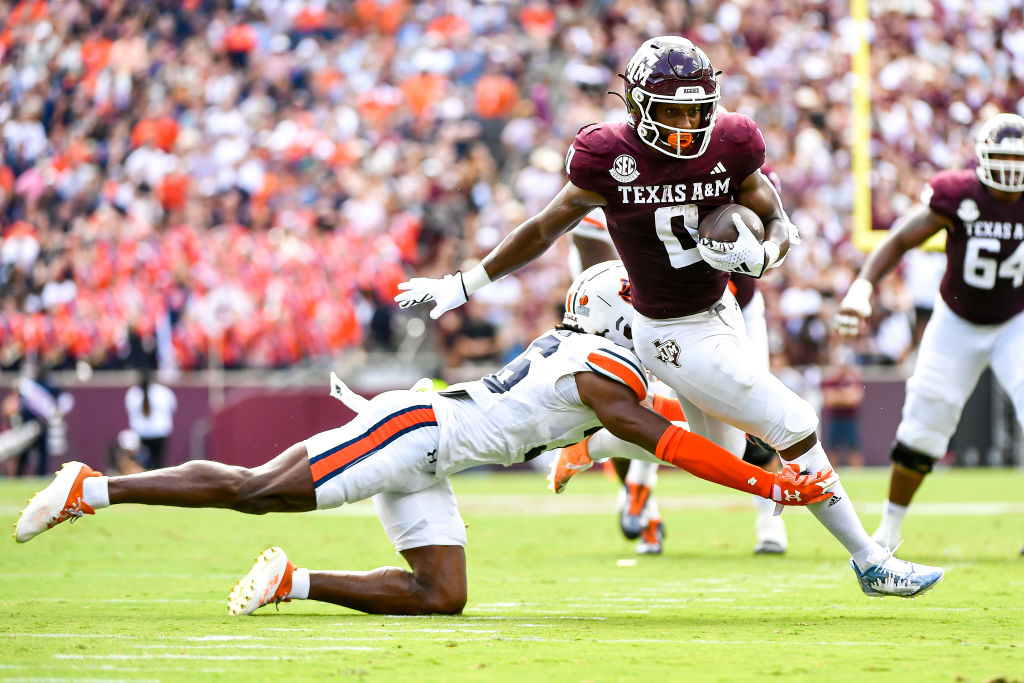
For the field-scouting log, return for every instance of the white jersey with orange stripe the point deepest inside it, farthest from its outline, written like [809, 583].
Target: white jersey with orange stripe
[594, 226]
[532, 404]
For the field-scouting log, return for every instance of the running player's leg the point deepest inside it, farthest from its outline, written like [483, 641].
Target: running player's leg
[717, 374]
[769, 528]
[950, 359]
[637, 497]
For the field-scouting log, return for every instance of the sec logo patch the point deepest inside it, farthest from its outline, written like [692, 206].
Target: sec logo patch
[624, 169]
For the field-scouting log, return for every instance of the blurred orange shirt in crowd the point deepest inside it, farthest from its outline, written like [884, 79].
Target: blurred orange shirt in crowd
[537, 18]
[496, 96]
[385, 16]
[240, 38]
[422, 91]
[173, 191]
[161, 132]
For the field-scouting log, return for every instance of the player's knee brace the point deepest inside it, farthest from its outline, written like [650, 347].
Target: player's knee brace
[757, 452]
[915, 461]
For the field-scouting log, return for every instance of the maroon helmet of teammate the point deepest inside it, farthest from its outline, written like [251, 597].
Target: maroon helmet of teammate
[671, 70]
[1000, 150]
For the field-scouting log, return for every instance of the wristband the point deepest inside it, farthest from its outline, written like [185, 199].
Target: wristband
[475, 278]
[860, 289]
[772, 251]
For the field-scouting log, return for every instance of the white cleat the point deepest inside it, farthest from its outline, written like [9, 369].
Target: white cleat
[59, 501]
[771, 535]
[890, 576]
[269, 581]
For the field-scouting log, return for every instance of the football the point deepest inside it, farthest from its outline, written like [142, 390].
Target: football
[718, 225]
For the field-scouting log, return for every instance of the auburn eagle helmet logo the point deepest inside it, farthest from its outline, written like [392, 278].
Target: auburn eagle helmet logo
[626, 291]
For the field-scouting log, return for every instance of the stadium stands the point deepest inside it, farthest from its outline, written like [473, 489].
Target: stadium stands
[251, 179]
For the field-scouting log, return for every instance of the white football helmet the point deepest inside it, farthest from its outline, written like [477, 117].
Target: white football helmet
[600, 301]
[1002, 136]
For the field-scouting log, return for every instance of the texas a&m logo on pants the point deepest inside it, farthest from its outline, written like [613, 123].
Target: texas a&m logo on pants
[668, 351]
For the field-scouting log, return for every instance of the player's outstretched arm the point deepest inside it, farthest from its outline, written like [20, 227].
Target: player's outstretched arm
[620, 412]
[911, 231]
[528, 241]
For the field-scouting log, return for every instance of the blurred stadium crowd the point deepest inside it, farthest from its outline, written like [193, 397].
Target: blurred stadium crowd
[253, 178]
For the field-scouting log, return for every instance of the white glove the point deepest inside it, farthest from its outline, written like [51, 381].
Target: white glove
[854, 307]
[746, 255]
[448, 292]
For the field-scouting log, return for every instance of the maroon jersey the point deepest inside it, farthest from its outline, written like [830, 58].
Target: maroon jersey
[984, 249]
[655, 203]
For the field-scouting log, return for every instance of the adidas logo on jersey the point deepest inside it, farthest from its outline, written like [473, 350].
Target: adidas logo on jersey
[719, 168]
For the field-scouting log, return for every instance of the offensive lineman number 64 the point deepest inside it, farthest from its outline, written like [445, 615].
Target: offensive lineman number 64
[981, 271]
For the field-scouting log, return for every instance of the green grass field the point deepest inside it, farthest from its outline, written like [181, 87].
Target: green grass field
[140, 593]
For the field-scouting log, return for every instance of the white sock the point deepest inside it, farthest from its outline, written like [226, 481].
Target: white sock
[95, 492]
[300, 584]
[837, 514]
[892, 519]
[765, 507]
[651, 511]
[644, 473]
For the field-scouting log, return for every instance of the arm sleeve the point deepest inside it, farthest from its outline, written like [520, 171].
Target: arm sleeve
[702, 458]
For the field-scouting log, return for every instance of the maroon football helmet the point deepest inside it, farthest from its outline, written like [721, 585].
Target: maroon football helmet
[1000, 150]
[673, 70]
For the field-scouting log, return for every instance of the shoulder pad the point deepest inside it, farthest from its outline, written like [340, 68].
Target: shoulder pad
[619, 364]
[736, 127]
[597, 138]
[946, 189]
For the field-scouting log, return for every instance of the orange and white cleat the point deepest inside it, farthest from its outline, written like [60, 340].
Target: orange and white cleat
[651, 538]
[631, 512]
[59, 501]
[570, 461]
[269, 581]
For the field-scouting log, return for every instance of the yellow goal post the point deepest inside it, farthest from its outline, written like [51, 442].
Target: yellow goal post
[864, 237]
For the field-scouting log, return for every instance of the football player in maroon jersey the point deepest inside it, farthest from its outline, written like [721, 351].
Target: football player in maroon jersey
[639, 515]
[979, 311]
[656, 175]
